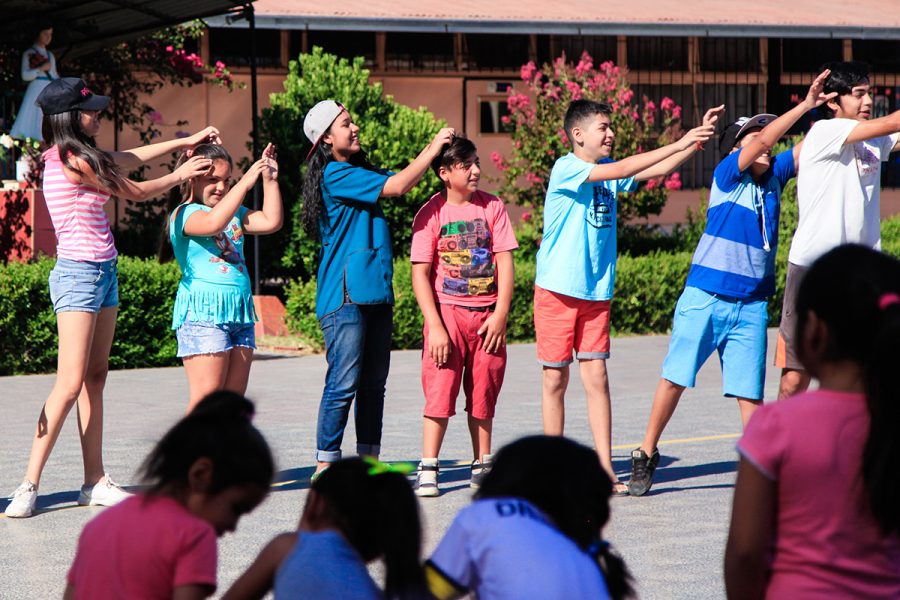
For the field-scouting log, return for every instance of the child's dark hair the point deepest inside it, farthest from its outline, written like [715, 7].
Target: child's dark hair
[565, 480]
[312, 213]
[213, 152]
[843, 77]
[219, 429]
[580, 110]
[379, 516]
[460, 150]
[64, 130]
[855, 291]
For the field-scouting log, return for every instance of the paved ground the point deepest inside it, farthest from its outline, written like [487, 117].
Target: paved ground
[672, 539]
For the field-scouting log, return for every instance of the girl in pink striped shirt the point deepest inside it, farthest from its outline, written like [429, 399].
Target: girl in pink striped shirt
[78, 179]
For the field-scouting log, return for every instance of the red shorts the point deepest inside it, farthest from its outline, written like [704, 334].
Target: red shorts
[563, 324]
[480, 373]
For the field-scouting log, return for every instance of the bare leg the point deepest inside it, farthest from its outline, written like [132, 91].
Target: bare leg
[240, 360]
[90, 400]
[433, 436]
[206, 373]
[553, 410]
[747, 407]
[76, 332]
[664, 402]
[480, 430]
[793, 381]
[596, 388]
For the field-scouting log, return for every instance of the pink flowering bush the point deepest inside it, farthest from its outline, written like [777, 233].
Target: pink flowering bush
[538, 138]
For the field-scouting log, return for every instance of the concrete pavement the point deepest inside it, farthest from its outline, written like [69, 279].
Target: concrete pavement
[672, 539]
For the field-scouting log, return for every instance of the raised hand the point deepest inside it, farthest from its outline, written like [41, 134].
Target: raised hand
[816, 95]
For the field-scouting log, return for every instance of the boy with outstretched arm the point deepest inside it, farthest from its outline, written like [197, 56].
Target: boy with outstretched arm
[724, 304]
[576, 262]
[838, 189]
[462, 276]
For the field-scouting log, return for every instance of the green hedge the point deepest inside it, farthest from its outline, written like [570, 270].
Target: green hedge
[28, 342]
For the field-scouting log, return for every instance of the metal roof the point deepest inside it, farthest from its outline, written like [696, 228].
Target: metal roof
[82, 26]
[877, 19]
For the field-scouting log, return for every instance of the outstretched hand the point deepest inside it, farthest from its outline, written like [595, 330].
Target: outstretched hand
[816, 95]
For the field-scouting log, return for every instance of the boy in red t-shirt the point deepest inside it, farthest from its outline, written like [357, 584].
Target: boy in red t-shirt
[462, 275]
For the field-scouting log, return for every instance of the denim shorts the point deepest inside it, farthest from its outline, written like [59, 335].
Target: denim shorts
[205, 337]
[736, 329]
[84, 286]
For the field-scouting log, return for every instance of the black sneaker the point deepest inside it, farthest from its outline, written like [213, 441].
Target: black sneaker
[642, 468]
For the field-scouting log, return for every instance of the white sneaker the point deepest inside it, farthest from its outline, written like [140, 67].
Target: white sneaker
[105, 492]
[426, 485]
[23, 501]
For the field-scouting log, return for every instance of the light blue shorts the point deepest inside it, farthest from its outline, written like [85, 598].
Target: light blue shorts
[84, 286]
[204, 337]
[705, 323]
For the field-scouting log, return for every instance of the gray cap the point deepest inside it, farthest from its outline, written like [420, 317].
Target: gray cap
[319, 119]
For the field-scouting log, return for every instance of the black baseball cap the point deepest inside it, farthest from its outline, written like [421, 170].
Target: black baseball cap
[734, 132]
[69, 93]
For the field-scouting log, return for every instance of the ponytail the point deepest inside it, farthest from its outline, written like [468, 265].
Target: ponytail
[220, 429]
[176, 197]
[378, 514]
[855, 291]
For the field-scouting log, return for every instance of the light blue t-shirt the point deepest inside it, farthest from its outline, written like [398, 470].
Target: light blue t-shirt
[355, 260]
[736, 254]
[324, 566]
[215, 286]
[577, 256]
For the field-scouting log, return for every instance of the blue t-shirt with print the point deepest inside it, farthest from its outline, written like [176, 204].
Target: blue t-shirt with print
[215, 286]
[355, 258]
[736, 254]
[577, 256]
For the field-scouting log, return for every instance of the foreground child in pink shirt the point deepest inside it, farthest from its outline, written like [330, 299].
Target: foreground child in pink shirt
[208, 471]
[462, 275]
[817, 500]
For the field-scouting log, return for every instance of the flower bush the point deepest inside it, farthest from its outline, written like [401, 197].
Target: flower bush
[538, 138]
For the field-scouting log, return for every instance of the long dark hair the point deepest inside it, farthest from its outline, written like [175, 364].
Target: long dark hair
[64, 130]
[855, 291]
[219, 429]
[312, 213]
[379, 517]
[565, 480]
[213, 152]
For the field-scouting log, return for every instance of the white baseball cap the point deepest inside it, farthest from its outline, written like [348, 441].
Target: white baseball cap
[318, 120]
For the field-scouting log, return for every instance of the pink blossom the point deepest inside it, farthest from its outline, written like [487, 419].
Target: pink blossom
[574, 89]
[528, 71]
[673, 182]
[526, 217]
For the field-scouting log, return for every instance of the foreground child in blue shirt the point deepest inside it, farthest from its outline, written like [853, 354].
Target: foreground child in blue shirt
[723, 307]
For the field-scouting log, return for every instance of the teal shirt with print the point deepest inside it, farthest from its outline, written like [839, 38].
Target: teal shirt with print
[355, 258]
[215, 285]
[577, 256]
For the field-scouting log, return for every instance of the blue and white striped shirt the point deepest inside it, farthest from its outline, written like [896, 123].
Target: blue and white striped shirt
[736, 254]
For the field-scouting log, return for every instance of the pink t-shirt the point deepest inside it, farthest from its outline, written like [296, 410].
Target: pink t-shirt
[143, 548]
[826, 544]
[460, 242]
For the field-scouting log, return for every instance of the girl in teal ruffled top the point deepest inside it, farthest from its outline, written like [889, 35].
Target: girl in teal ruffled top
[214, 317]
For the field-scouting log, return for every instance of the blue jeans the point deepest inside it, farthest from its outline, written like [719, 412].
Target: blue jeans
[358, 351]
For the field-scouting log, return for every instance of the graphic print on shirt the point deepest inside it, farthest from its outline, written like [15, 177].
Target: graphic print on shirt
[600, 212]
[466, 262]
[228, 251]
[867, 162]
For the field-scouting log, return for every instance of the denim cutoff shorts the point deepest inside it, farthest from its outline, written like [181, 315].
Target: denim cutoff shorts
[206, 337]
[84, 286]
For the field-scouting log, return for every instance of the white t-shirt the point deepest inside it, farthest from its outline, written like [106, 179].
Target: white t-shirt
[505, 548]
[838, 188]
